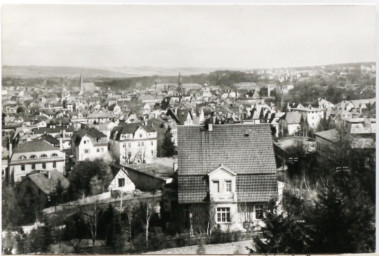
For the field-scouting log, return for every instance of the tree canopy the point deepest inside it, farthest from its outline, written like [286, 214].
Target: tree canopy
[89, 178]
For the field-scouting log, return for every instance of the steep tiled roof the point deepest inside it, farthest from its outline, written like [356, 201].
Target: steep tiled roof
[192, 189]
[34, 146]
[246, 149]
[48, 185]
[256, 188]
[50, 139]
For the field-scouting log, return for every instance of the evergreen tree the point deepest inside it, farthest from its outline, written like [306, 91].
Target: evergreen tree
[168, 148]
[285, 231]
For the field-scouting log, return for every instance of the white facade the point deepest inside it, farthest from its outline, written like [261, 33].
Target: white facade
[86, 150]
[229, 214]
[137, 148]
[122, 182]
[25, 162]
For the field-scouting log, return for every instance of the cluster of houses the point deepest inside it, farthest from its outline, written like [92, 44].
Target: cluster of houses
[224, 140]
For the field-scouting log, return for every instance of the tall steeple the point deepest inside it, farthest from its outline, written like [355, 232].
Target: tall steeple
[180, 88]
[81, 84]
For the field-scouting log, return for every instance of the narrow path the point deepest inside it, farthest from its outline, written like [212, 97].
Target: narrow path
[228, 248]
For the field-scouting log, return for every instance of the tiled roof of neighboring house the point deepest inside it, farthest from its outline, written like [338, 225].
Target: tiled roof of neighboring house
[48, 185]
[130, 129]
[193, 188]
[34, 146]
[331, 135]
[256, 188]
[201, 151]
[58, 129]
[245, 149]
[50, 139]
[293, 117]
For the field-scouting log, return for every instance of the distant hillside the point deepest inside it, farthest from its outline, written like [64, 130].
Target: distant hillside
[113, 72]
[39, 71]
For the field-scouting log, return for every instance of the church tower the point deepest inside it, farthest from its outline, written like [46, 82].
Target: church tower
[180, 87]
[82, 89]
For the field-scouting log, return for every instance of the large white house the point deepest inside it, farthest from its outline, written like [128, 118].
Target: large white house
[35, 155]
[134, 143]
[88, 144]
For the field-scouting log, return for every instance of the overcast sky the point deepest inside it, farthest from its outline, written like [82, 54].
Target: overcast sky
[186, 36]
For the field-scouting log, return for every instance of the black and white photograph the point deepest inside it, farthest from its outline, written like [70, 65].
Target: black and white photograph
[188, 128]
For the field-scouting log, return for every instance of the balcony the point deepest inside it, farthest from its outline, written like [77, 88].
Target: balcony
[223, 197]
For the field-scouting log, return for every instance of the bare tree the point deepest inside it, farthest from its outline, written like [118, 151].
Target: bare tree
[149, 212]
[92, 215]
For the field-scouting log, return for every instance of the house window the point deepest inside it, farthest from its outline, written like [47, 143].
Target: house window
[223, 215]
[121, 182]
[33, 156]
[86, 151]
[43, 156]
[54, 164]
[140, 135]
[54, 155]
[259, 212]
[124, 145]
[85, 141]
[22, 157]
[228, 186]
[139, 144]
[22, 167]
[97, 150]
[216, 185]
[152, 152]
[152, 143]
[43, 165]
[33, 166]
